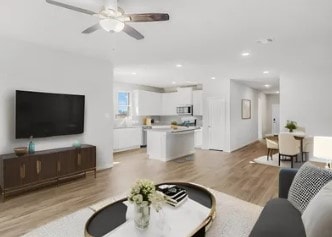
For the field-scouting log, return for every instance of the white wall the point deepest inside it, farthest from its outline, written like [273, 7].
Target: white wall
[306, 96]
[26, 66]
[121, 86]
[262, 98]
[242, 131]
[270, 100]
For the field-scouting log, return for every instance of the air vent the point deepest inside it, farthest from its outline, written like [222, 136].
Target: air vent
[264, 41]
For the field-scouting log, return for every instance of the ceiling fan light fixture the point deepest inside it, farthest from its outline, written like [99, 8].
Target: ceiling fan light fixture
[110, 24]
[113, 18]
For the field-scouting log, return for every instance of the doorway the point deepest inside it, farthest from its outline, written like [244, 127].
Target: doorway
[275, 119]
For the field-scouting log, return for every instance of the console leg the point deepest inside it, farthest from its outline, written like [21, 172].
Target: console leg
[3, 196]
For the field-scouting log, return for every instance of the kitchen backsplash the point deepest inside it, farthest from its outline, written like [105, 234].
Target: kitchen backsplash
[165, 120]
[157, 120]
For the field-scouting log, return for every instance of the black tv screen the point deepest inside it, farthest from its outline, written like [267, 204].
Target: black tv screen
[41, 114]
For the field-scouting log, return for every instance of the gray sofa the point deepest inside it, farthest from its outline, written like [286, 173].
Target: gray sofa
[279, 217]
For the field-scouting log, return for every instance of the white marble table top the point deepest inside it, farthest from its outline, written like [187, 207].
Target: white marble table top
[176, 222]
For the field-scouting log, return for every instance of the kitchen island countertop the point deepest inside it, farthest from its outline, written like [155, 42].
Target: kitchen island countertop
[172, 130]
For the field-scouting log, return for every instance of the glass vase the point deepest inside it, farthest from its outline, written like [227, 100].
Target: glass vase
[142, 215]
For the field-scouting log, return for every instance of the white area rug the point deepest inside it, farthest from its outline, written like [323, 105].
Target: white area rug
[70, 226]
[235, 218]
[284, 164]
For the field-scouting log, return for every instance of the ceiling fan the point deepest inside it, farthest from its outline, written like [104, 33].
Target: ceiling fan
[112, 20]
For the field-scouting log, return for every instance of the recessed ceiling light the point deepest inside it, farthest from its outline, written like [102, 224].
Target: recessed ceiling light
[179, 65]
[133, 73]
[266, 72]
[267, 86]
[213, 78]
[173, 82]
[245, 54]
[277, 92]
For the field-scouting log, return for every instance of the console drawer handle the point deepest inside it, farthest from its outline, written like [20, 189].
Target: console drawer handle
[59, 166]
[79, 159]
[22, 171]
[38, 166]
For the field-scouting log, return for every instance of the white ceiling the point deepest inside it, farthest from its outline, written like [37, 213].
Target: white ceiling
[207, 37]
[266, 85]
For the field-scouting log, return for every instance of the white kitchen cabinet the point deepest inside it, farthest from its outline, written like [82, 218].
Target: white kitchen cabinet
[147, 103]
[165, 145]
[198, 102]
[169, 102]
[184, 96]
[198, 138]
[126, 138]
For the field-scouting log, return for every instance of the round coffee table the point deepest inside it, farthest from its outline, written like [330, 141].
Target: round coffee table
[113, 215]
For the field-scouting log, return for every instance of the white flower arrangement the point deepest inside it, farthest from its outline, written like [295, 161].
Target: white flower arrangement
[144, 192]
[158, 200]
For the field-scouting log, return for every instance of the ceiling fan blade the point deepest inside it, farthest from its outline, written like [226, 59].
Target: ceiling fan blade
[132, 32]
[91, 29]
[60, 4]
[121, 10]
[147, 17]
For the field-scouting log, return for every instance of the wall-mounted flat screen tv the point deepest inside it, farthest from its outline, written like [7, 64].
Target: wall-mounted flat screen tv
[40, 114]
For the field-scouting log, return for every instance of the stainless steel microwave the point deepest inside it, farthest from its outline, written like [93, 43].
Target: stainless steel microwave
[184, 110]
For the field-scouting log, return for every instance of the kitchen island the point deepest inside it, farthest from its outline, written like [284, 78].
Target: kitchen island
[167, 144]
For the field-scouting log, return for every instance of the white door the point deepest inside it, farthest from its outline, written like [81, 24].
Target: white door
[275, 119]
[217, 122]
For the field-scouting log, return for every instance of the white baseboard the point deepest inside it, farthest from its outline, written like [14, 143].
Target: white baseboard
[127, 149]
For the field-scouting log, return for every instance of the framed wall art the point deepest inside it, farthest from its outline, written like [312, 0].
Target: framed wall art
[246, 109]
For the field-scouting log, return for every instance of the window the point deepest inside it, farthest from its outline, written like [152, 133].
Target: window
[123, 106]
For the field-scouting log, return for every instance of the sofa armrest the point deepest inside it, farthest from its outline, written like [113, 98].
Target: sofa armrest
[286, 177]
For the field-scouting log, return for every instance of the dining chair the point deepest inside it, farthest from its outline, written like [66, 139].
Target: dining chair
[288, 147]
[271, 146]
[308, 147]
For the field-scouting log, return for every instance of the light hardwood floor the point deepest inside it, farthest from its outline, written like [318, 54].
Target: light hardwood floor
[230, 173]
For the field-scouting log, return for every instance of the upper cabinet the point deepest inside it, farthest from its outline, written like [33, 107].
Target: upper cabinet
[185, 96]
[169, 102]
[197, 102]
[147, 103]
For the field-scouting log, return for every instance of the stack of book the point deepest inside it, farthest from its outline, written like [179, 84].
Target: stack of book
[175, 195]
